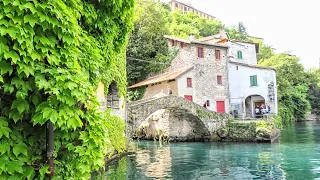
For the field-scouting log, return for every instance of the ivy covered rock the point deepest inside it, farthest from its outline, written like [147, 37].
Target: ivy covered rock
[53, 54]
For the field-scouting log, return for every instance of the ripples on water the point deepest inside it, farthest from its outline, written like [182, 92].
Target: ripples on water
[295, 156]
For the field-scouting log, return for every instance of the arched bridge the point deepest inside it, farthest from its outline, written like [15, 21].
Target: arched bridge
[187, 120]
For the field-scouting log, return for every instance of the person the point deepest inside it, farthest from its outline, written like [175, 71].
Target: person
[257, 111]
[169, 91]
[235, 114]
[205, 105]
[268, 108]
[262, 109]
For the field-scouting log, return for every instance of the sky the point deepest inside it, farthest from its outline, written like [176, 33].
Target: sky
[286, 25]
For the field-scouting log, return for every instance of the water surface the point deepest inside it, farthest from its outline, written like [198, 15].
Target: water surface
[295, 156]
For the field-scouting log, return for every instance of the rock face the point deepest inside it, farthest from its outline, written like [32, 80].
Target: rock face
[173, 117]
[258, 131]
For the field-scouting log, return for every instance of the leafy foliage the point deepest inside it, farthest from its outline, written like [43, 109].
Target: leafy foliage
[292, 86]
[147, 48]
[52, 56]
[314, 90]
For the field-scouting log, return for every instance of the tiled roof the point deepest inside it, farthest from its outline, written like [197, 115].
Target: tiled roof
[196, 41]
[177, 39]
[251, 65]
[162, 77]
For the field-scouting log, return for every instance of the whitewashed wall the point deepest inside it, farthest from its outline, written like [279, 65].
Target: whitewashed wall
[249, 54]
[240, 87]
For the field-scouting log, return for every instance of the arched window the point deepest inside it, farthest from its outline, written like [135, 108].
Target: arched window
[239, 55]
[112, 97]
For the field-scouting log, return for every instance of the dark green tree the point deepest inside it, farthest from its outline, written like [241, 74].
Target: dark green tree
[241, 28]
[314, 90]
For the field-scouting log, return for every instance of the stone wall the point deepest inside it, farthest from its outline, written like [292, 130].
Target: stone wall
[205, 72]
[242, 131]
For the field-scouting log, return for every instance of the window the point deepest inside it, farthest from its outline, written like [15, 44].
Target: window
[172, 42]
[176, 5]
[253, 80]
[200, 52]
[217, 54]
[189, 82]
[187, 97]
[219, 80]
[237, 68]
[239, 55]
[181, 44]
[185, 8]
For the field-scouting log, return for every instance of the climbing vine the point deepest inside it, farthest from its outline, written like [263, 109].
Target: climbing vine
[53, 54]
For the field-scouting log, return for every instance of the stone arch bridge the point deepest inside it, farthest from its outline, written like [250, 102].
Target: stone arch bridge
[187, 121]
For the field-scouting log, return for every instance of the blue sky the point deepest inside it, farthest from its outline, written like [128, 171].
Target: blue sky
[287, 25]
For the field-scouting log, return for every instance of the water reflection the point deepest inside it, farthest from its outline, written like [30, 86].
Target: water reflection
[295, 156]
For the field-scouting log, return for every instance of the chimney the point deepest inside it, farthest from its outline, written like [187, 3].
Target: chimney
[192, 38]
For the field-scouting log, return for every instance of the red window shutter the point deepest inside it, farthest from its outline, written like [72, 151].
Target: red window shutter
[220, 107]
[189, 82]
[217, 54]
[219, 79]
[187, 97]
[181, 44]
[200, 52]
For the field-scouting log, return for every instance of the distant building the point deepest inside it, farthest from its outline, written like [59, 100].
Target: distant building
[185, 8]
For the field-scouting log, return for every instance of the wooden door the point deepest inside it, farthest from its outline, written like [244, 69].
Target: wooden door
[220, 107]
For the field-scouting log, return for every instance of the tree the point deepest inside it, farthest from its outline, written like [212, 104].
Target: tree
[147, 49]
[53, 54]
[292, 86]
[314, 90]
[241, 28]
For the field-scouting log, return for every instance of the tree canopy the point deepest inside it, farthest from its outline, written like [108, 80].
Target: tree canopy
[292, 86]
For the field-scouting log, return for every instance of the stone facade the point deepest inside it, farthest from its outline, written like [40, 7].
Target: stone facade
[205, 73]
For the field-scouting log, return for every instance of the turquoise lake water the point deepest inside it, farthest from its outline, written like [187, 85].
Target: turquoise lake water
[296, 155]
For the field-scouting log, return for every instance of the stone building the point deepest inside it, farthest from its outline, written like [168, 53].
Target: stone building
[217, 72]
[250, 85]
[198, 73]
[185, 8]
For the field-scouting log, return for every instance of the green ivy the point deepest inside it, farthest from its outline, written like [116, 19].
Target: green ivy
[53, 54]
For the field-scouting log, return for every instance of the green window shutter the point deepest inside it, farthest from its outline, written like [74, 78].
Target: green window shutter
[239, 54]
[253, 80]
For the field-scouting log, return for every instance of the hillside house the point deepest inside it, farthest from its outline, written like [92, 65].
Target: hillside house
[198, 73]
[250, 85]
[218, 73]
